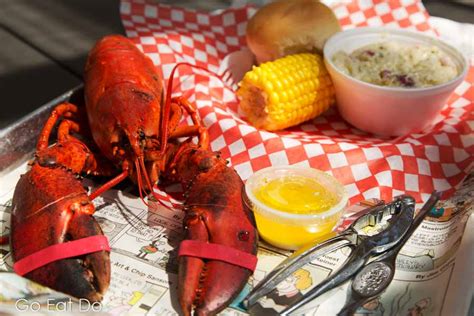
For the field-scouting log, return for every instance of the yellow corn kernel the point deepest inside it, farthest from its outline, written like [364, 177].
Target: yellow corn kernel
[286, 92]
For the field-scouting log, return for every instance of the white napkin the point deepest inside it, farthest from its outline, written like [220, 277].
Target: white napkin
[459, 35]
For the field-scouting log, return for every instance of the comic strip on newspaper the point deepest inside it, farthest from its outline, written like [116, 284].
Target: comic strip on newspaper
[144, 244]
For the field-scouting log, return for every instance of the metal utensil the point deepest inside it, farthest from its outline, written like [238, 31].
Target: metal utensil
[375, 277]
[396, 225]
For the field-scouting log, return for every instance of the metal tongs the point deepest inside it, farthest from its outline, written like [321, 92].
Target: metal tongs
[371, 263]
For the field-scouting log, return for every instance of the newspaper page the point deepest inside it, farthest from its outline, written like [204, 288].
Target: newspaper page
[424, 269]
[144, 246]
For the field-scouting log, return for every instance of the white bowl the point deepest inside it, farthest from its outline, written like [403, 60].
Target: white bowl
[388, 111]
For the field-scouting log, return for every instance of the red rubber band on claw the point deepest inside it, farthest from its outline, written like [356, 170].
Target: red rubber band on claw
[200, 249]
[61, 251]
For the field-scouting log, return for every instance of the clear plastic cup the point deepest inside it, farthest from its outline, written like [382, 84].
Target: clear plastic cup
[288, 230]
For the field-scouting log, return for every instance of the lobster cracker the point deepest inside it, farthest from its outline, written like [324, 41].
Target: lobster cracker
[372, 254]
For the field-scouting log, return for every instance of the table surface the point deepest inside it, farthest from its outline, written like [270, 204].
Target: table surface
[45, 45]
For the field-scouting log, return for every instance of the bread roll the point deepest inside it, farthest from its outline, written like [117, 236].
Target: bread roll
[288, 27]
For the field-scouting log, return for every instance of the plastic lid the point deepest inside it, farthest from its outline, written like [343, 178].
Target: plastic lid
[323, 178]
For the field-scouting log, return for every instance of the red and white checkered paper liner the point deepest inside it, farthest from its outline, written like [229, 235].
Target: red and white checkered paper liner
[369, 167]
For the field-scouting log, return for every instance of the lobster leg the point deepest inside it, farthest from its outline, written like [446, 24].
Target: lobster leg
[175, 131]
[106, 186]
[83, 160]
[63, 110]
[65, 129]
[176, 114]
[181, 101]
[197, 129]
[185, 131]
[97, 165]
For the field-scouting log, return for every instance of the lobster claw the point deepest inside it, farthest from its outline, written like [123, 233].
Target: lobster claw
[86, 276]
[218, 217]
[43, 217]
[209, 284]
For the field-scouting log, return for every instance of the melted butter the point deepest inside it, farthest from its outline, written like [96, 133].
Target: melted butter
[297, 195]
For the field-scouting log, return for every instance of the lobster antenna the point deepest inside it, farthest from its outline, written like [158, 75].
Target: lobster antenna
[147, 179]
[141, 188]
[167, 107]
[140, 166]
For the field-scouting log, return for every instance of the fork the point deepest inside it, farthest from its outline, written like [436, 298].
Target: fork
[234, 66]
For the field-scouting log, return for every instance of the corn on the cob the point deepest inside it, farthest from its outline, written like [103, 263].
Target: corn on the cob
[286, 92]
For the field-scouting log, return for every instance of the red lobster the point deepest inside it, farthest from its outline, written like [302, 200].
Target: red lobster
[136, 129]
